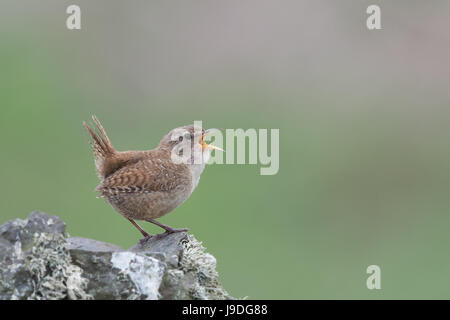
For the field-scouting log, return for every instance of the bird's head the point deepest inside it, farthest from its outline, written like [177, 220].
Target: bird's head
[187, 144]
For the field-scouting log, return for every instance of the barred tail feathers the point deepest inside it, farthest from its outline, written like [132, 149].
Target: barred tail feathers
[101, 146]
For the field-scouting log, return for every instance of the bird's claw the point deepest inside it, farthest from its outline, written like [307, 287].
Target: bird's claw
[144, 240]
[169, 231]
[147, 237]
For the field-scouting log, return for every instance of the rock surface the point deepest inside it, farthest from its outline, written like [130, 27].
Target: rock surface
[38, 260]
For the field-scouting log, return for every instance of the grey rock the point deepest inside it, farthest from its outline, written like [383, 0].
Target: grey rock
[168, 248]
[24, 230]
[38, 260]
[84, 244]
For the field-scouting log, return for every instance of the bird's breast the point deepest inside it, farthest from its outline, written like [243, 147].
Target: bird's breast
[196, 171]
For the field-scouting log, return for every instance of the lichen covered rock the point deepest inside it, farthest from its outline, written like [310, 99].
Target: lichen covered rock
[39, 261]
[35, 263]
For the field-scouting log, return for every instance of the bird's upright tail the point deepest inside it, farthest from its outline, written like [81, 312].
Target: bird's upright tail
[101, 146]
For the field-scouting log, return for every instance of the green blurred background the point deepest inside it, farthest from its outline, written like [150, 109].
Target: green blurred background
[364, 119]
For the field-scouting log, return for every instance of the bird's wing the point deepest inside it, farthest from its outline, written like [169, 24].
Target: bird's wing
[145, 176]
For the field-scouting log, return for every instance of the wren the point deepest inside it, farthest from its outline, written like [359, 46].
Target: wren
[146, 185]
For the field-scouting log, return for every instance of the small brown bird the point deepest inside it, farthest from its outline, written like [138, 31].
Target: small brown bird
[145, 185]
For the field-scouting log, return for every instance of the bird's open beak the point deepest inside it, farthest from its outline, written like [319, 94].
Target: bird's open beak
[209, 146]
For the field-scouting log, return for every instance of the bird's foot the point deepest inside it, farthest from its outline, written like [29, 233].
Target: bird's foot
[173, 230]
[147, 236]
[168, 231]
[145, 239]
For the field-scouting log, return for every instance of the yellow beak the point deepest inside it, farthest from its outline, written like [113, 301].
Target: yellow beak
[209, 146]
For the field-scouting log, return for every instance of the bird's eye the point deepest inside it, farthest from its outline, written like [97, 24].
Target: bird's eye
[180, 138]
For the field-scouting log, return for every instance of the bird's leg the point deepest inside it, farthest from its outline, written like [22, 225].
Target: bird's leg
[144, 233]
[167, 228]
